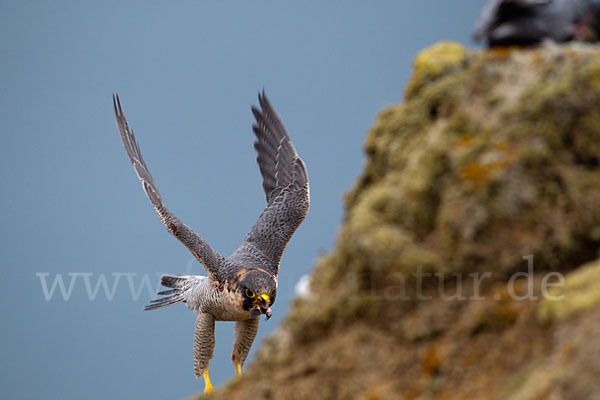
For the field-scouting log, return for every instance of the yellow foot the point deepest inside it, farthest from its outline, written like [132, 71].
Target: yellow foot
[208, 387]
[238, 370]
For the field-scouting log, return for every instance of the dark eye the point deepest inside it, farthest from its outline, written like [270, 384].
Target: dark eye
[250, 294]
[272, 294]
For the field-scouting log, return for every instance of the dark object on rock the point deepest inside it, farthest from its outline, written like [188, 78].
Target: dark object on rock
[529, 22]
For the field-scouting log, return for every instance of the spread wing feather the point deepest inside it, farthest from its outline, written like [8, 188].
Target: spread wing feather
[198, 246]
[285, 183]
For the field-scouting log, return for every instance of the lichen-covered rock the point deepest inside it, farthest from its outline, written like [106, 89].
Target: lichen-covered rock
[490, 167]
[568, 369]
[489, 163]
[580, 292]
[435, 61]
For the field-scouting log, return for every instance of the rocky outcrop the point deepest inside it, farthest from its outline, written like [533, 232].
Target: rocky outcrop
[467, 265]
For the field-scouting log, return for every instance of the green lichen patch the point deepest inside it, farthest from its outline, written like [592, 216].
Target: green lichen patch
[567, 369]
[431, 63]
[581, 291]
[456, 182]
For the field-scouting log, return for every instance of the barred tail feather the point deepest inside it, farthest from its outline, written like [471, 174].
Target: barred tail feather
[164, 302]
[178, 283]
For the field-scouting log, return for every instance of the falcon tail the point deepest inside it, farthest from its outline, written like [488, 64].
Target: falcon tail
[178, 283]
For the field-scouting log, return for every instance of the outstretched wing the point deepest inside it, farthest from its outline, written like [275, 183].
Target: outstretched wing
[199, 248]
[286, 187]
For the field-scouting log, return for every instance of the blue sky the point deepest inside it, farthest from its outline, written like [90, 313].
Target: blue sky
[187, 73]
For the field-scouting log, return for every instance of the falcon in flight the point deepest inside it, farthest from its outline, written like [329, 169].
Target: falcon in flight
[243, 286]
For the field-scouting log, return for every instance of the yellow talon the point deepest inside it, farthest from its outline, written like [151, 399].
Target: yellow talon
[238, 370]
[208, 387]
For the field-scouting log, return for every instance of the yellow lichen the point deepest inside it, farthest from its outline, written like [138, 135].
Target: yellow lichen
[465, 141]
[501, 146]
[434, 61]
[475, 173]
[431, 363]
[580, 292]
[500, 52]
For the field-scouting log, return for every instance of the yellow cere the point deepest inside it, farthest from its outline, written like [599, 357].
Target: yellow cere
[265, 298]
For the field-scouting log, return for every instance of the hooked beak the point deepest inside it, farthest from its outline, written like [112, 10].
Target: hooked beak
[261, 307]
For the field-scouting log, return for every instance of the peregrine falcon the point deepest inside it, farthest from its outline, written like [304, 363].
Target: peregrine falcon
[243, 286]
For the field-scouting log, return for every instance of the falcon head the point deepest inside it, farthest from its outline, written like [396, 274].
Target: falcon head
[258, 290]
